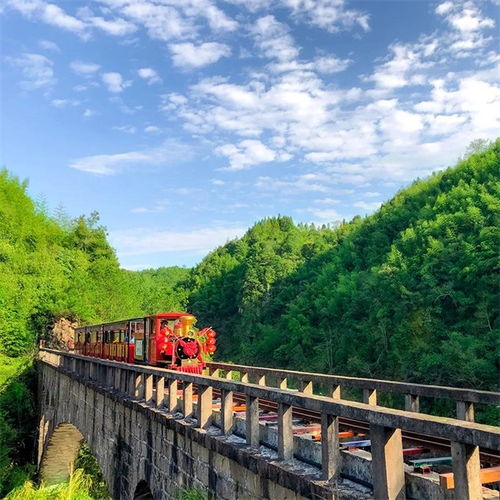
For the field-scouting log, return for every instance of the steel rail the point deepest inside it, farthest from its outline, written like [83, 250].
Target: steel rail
[437, 443]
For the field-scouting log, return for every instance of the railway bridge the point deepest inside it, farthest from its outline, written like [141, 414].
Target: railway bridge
[242, 432]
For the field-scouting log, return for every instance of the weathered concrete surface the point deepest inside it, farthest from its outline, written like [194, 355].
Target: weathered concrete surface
[134, 442]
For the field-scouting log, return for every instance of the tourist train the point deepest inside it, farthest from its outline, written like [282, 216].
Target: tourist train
[168, 339]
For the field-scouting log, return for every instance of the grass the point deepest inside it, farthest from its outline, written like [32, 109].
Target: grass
[9, 367]
[77, 488]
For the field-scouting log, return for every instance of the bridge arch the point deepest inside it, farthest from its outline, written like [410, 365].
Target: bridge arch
[143, 491]
[60, 453]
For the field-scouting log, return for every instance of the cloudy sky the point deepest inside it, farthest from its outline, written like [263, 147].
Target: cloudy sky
[184, 121]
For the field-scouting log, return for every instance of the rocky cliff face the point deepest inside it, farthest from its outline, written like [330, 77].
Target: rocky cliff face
[62, 335]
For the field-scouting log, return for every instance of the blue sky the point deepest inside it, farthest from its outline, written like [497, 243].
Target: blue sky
[182, 122]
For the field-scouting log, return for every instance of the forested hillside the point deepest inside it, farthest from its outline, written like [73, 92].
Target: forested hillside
[409, 293]
[56, 266]
[53, 267]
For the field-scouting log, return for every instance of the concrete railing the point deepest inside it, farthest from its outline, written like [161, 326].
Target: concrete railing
[149, 384]
[335, 384]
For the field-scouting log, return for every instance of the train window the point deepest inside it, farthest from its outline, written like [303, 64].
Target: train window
[106, 337]
[87, 337]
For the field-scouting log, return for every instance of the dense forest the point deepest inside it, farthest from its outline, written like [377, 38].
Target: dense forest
[408, 293]
[52, 266]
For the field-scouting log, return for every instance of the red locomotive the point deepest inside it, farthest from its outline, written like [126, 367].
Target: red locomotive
[165, 339]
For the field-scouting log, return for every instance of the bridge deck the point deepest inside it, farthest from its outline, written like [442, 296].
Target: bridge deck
[210, 399]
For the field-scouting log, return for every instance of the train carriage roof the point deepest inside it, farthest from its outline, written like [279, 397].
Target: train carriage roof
[169, 315]
[122, 324]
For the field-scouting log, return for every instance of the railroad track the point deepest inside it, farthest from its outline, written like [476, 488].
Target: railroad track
[489, 458]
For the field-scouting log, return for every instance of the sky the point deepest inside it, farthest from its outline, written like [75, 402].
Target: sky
[183, 122]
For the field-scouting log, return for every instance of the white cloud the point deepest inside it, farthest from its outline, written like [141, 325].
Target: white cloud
[115, 27]
[368, 206]
[327, 65]
[114, 82]
[444, 8]
[84, 68]
[37, 70]
[188, 55]
[326, 214]
[464, 16]
[330, 15]
[246, 154]
[63, 103]
[49, 45]
[53, 14]
[88, 113]
[127, 129]
[217, 19]
[404, 65]
[151, 129]
[162, 22]
[149, 74]
[111, 164]
[159, 206]
[327, 201]
[273, 39]
[302, 183]
[144, 241]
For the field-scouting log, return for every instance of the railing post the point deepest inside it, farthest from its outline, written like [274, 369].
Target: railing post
[330, 452]
[335, 392]
[412, 403]
[465, 411]
[306, 387]
[204, 408]
[124, 381]
[160, 391]
[229, 375]
[100, 374]
[370, 396]
[285, 432]
[214, 372]
[131, 383]
[73, 365]
[261, 379]
[466, 471]
[139, 385]
[244, 377]
[109, 376]
[387, 463]
[187, 399]
[172, 395]
[148, 389]
[252, 421]
[283, 383]
[227, 419]
[118, 374]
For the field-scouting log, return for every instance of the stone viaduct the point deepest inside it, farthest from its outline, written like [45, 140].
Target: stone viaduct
[155, 431]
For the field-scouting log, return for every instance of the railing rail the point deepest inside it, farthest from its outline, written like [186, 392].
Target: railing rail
[386, 424]
[464, 398]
